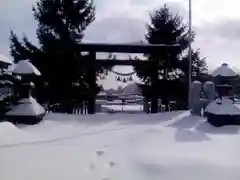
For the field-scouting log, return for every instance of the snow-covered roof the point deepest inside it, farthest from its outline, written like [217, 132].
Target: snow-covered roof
[131, 89]
[102, 93]
[27, 107]
[225, 71]
[4, 59]
[25, 67]
[223, 107]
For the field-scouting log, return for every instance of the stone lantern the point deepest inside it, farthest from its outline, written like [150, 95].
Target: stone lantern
[223, 111]
[27, 110]
[223, 78]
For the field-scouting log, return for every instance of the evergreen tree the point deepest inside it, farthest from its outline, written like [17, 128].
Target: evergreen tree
[199, 65]
[166, 67]
[61, 24]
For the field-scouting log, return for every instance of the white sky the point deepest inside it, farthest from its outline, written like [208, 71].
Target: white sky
[216, 22]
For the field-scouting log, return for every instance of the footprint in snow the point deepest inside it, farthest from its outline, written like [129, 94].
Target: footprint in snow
[100, 153]
[104, 179]
[111, 164]
[92, 167]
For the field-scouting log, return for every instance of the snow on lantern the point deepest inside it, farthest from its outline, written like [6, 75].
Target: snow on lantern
[27, 110]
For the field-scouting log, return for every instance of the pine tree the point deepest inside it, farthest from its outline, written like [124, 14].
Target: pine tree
[61, 26]
[165, 67]
[199, 65]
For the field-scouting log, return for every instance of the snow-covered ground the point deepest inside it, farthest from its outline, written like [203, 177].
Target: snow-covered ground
[168, 146]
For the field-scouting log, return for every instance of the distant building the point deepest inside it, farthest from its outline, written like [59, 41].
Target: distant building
[132, 89]
[5, 89]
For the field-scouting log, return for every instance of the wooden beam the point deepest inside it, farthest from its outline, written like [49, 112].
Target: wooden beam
[125, 48]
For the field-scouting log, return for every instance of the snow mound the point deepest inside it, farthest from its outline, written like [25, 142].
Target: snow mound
[10, 134]
[7, 127]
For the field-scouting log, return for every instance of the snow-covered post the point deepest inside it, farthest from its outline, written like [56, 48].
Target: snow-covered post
[209, 94]
[27, 110]
[209, 90]
[195, 98]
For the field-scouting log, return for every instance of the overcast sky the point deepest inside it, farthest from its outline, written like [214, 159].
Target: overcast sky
[216, 22]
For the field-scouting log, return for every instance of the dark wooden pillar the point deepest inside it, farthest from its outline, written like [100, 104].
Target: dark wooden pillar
[154, 92]
[154, 104]
[146, 107]
[92, 84]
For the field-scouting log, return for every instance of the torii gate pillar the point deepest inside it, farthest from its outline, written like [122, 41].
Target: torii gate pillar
[92, 84]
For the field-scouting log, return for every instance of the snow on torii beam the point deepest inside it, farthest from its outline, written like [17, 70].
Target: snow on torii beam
[124, 48]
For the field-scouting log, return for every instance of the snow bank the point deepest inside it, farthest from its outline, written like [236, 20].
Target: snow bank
[10, 134]
[7, 127]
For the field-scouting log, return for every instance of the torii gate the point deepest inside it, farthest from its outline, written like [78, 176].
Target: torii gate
[115, 48]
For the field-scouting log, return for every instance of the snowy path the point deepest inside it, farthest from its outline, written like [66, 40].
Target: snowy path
[163, 146]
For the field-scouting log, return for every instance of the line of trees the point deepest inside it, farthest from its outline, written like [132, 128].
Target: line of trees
[65, 70]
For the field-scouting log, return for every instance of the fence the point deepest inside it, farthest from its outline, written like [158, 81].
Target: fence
[76, 108]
